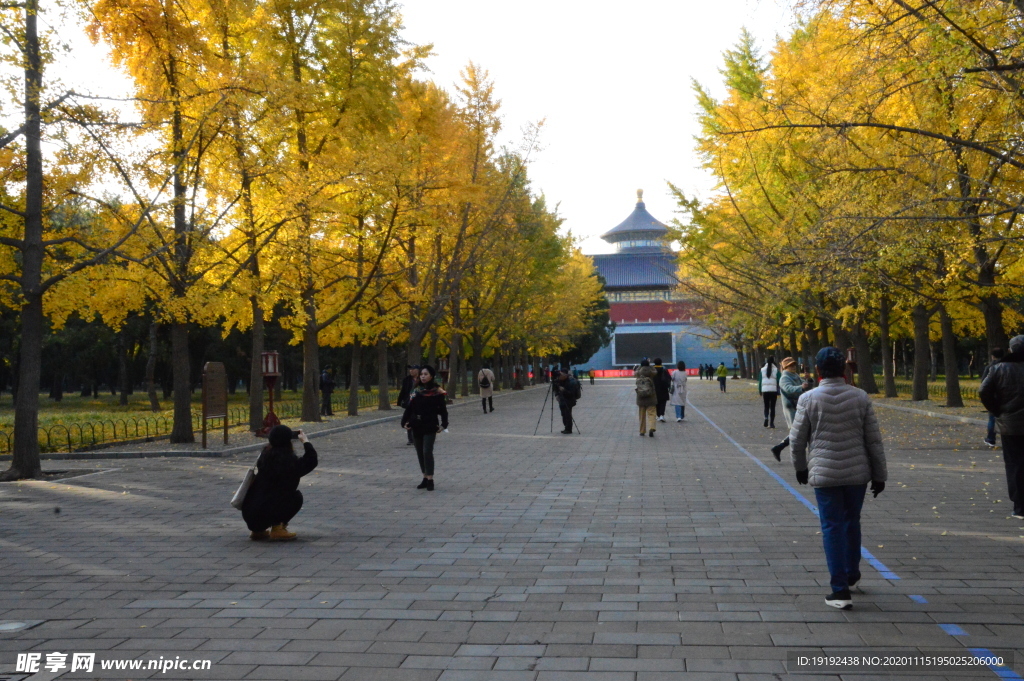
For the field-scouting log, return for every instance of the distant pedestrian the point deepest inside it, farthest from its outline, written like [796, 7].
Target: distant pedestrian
[485, 379]
[326, 388]
[678, 399]
[990, 434]
[567, 392]
[791, 387]
[837, 448]
[700, 371]
[662, 388]
[711, 371]
[646, 398]
[426, 416]
[768, 387]
[1002, 393]
[590, 373]
[412, 372]
[274, 498]
[723, 373]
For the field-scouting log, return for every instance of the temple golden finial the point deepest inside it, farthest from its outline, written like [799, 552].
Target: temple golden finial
[639, 195]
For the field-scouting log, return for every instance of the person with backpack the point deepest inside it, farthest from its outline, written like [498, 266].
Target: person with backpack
[723, 373]
[768, 387]
[427, 406]
[485, 379]
[662, 386]
[678, 399]
[567, 392]
[646, 398]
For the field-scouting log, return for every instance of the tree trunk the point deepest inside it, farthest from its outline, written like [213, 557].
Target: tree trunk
[995, 333]
[865, 370]
[953, 397]
[933, 362]
[453, 364]
[311, 364]
[922, 347]
[256, 366]
[122, 369]
[888, 367]
[741, 361]
[431, 351]
[154, 401]
[182, 384]
[383, 395]
[25, 461]
[477, 363]
[353, 378]
[794, 349]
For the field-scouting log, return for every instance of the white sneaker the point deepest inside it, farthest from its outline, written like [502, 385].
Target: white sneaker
[679, 420]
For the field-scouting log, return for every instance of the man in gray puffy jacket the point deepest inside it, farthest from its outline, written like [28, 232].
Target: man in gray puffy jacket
[837, 448]
[1002, 393]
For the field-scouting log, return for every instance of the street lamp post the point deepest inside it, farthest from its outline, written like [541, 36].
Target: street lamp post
[270, 376]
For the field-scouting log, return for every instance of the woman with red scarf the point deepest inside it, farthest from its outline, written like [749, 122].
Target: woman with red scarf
[425, 417]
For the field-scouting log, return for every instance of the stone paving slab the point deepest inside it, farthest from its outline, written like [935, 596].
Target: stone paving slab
[594, 556]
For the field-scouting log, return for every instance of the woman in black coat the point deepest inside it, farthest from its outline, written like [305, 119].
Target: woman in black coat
[426, 408]
[662, 385]
[274, 497]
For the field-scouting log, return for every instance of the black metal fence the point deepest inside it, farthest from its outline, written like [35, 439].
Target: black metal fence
[70, 437]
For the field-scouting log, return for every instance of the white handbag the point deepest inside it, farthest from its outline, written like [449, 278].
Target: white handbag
[243, 489]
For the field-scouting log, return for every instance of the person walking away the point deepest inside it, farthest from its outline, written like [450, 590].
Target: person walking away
[678, 399]
[791, 387]
[426, 416]
[768, 386]
[990, 434]
[662, 386]
[1002, 393]
[590, 373]
[837, 449]
[326, 388]
[567, 392]
[485, 379]
[646, 398]
[723, 373]
[409, 381]
[274, 497]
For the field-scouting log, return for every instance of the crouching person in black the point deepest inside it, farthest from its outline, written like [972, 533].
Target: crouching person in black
[274, 497]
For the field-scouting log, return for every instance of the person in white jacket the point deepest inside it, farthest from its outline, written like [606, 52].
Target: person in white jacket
[837, 448]
[678, 397]
[768, 386]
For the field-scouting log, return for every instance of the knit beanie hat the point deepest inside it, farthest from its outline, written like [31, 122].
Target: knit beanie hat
[1017, 344]
[830, 362]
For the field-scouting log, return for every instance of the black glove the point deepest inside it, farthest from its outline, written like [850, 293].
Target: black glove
[877, 487]
[801, 476]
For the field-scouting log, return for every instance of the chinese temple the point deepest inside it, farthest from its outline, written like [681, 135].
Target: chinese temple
[652, 317]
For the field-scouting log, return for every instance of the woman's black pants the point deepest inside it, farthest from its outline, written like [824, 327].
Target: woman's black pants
[260, 518]
[769, 405]
[425, 451]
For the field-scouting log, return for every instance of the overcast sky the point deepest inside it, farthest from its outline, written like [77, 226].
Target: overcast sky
[612, 81]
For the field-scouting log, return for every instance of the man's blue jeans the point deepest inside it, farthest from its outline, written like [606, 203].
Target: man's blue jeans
[680, 410]
[839, 512]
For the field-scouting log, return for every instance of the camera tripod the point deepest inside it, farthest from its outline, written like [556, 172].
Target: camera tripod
[552, 410]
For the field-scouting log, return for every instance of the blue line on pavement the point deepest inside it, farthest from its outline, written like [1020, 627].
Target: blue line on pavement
[1002, 671]
[874, 562]
[953, 629]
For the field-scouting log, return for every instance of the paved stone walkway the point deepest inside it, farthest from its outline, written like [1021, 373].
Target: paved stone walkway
[604, 556]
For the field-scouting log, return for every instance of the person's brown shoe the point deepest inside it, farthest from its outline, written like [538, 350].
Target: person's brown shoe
[281, 533]
[262, 535]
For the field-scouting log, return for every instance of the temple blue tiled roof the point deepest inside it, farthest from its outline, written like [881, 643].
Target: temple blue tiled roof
[637, 270]
[639, 224]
